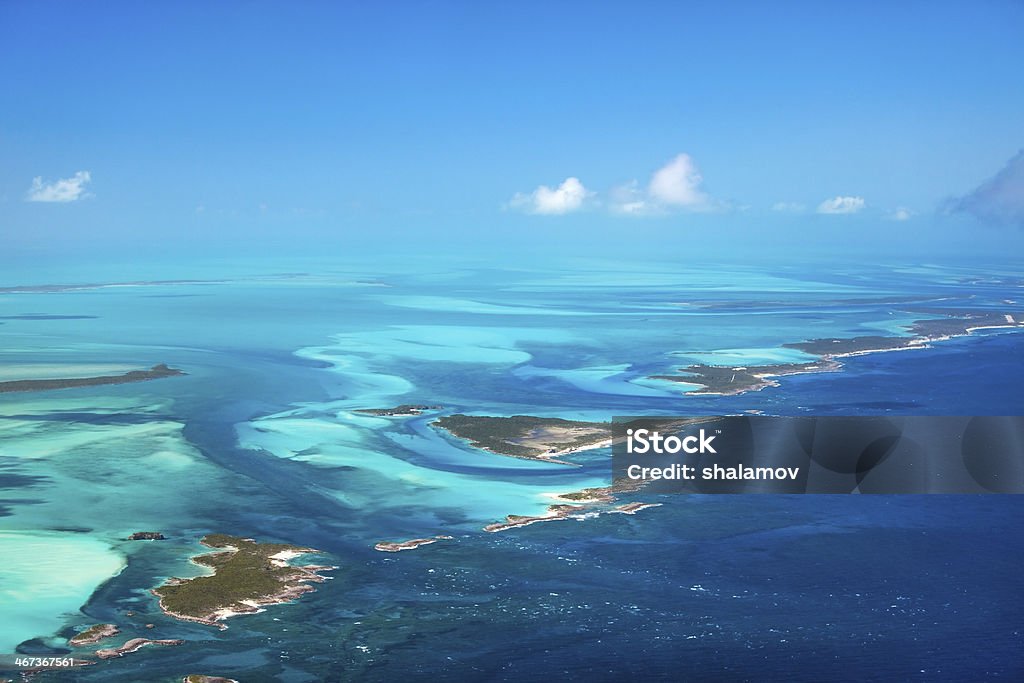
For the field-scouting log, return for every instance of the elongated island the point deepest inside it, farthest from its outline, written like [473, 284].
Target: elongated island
[156, 372]
[731, 380]
[404, 410]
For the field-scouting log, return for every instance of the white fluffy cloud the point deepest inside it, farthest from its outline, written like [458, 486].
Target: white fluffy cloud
[900, 213]
[676, 185]
[60, 190]
[842, 205]
[788, 207]
[568, 197]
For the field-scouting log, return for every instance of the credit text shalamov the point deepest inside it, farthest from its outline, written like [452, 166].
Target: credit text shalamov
[645, 441]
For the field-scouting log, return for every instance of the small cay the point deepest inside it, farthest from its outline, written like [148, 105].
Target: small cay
[133, 645]
[247, 577]
[397, 546]
[93, 634]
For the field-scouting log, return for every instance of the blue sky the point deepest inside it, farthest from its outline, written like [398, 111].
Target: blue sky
[215, 125]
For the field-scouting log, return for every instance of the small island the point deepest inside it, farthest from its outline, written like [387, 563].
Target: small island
[404, 410]
[562, 511]
[527, 436]
[555, 512]
[146, 536]
[632, 508]
[604, 494]
[133, 645]
[247, 576]
[93, 635]
[398, 546]
[727, 381]
[156, 372]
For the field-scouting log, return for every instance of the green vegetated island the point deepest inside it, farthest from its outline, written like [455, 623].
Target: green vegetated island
[727, 381]
[93, 635]
[527, 436]
[156, 372]
[247, 576]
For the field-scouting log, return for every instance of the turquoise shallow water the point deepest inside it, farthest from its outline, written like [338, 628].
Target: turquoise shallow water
[260, 439]
[46, 577]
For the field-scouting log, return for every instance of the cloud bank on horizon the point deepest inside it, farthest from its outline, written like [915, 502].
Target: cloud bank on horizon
[677, 186]
[999, 200]
[61, 190]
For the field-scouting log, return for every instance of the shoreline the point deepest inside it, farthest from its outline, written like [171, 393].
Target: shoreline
[564, 511]
[711, 379]
[552, 456]
[253, 605]
[605, 443]
[249, 562]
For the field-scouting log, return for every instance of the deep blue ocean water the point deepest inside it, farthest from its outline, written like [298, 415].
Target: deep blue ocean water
[259, 440]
